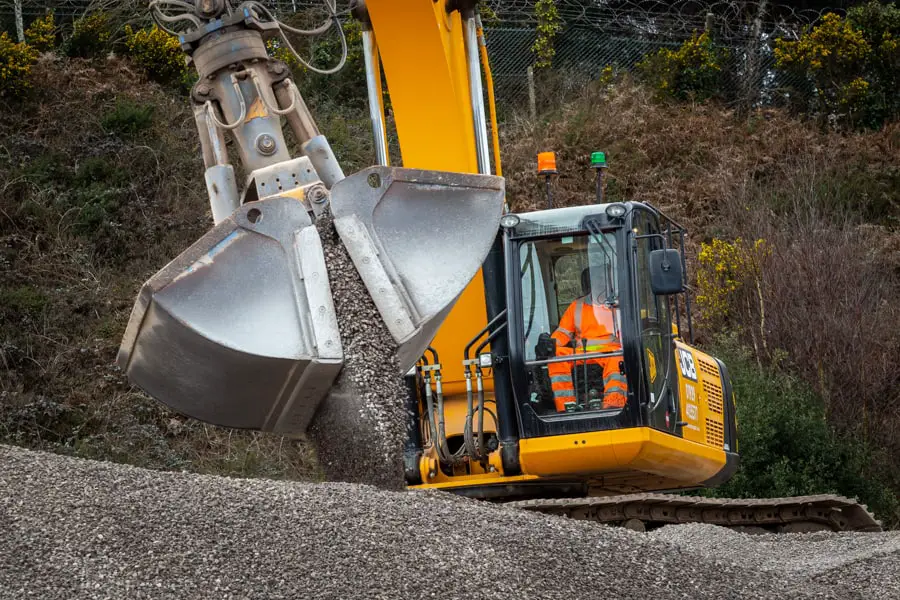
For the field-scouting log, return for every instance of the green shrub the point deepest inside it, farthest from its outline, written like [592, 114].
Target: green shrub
[90, 36]
[21, 302]
[15, 66]
[347, 87]
[158, 53]
[94, 201]
[41, 34]
[787, 447]
[98, 170]
[693, 71]
[128, 118]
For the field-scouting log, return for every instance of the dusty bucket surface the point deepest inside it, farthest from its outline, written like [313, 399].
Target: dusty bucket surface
[416, 238]
[240, 330]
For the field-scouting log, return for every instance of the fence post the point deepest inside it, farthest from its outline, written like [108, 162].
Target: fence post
[754, 50]
[532, 104]
[710, 24]
[20, 27]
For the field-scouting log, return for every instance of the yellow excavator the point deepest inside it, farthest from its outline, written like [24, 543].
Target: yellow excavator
[503, 401]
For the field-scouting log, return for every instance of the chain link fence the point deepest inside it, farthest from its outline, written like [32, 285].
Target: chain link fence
[594, 34]
[598, 34]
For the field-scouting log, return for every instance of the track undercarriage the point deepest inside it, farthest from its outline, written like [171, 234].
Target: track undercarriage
[800, 514]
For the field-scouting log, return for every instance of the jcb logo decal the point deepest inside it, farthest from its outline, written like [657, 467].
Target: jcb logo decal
[686, 359]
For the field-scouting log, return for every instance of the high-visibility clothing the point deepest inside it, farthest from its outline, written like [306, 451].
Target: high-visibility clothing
[590, 328]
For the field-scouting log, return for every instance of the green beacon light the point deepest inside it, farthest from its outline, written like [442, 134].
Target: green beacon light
[598, 161]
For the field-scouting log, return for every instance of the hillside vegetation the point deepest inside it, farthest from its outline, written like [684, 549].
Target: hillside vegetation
[102, 185]
[794, 258]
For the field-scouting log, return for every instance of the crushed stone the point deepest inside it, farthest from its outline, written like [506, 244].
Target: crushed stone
[78, 529]
[851, 564]
[360, 427]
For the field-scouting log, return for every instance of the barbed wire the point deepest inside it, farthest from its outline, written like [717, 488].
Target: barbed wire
[68, 9]
[677, 18]
[650, 17]
[594, 34]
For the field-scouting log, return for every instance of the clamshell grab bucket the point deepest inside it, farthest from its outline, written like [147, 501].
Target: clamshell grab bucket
[240, 329]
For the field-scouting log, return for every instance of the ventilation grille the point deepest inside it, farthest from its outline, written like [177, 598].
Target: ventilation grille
[708, 367]
[715, 433]
[715, 401]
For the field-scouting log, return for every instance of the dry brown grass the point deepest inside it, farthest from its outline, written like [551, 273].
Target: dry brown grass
[692, 159]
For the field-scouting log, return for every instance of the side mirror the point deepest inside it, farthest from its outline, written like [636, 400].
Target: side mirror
[666, 277]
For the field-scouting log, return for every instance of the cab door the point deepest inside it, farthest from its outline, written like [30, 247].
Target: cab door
[653, 312]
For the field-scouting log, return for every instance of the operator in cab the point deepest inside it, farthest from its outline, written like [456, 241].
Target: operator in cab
[588, 326]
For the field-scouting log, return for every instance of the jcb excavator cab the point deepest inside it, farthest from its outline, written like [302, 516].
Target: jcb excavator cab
[585, 261]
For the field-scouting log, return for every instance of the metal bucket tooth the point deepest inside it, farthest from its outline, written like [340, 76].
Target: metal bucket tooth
[240, 329]
[417, 238]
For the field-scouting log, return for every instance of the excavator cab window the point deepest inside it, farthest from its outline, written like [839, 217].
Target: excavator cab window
[571, 323]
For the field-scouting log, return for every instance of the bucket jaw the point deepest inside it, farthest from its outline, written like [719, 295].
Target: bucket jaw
[240, 329]
[417, 238]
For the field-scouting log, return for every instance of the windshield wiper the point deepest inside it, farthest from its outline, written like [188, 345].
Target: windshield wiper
[597, 235]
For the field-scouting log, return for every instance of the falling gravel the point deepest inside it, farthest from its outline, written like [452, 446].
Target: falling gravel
[76, 529]
[360, 426]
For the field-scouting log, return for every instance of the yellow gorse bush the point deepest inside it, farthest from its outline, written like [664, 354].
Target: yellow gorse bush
[156, 52]
[724, 269]
[96, 25]
[90, 36]
[15, 66]
[692, 70]
[834, 44]
[548, 25]
[41, 34]
[852, 63]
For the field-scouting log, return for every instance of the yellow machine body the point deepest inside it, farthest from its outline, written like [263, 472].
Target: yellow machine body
[617, 461]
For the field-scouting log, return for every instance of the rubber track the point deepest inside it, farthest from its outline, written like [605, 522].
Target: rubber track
[836, 512]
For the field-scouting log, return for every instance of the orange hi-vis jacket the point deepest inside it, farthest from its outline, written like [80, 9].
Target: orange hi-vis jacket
[591, 328]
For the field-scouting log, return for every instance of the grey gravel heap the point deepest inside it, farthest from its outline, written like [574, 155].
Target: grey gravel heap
[852, 565]
[75, 529]
[360, 426]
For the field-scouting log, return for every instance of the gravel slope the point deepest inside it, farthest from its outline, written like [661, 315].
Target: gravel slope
[852, 564]
[79, 529]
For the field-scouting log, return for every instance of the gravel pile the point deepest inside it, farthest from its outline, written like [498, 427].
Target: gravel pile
[77, 529]
[864, 565]
[360, 426]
